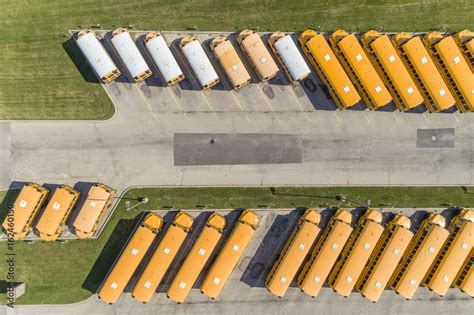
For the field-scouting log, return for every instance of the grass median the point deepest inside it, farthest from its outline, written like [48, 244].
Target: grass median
[37, 60]
[59, 273]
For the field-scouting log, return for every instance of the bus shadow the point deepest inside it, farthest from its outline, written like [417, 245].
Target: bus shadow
[79, 61]
[109, 253]
[449, 214]
[267, 253]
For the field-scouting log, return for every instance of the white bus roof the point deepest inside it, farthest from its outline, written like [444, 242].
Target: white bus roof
[293, 59]
[129, 53]
[164, 59]
[200, 63]
[96, 54]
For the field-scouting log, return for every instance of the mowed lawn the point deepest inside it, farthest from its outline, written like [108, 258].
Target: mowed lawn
[38, 79]
[72, 271]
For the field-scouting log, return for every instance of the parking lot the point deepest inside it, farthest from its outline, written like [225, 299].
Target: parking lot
[248, 280]
[276, 95]
[246, 287]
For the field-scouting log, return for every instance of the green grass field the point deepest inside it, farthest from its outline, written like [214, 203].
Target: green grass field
[40, 81]
[70, 272]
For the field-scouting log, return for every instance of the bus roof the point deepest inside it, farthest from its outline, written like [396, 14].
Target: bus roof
[395, 72]
[130, 257]
[312, 216]
[455, 66]
[258, 54]
[465, 278]
[98, 198]
[162, 56]
[230, 61]
[58, 209]
[162, 258]
[363, 70]
[418, 258]
[342, 215]
[465, 40]
[230, 255]
[250, 218]
[356, 253]
[96, 54]
[217, 222]
[325, 253]
[384, 259]
[450, 259]
[292, 58]
[293, 253]
[373, 215]
[183, 220]
[199, 61]
[196, 259]
[425, 69]
[27, 205]
[129, 53]
[330, 67]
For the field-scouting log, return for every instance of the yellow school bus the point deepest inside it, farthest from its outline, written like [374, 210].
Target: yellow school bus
[456, 72]
[197, 258]
[230, 255]
[419, 256]
[421, 67]
[53, 219]
[27, 205]
[258, 54]
[162, 258]
[98, 200]
[294, 253]
[385, 258]
[353, 58]
[130, 257]
[465, 41]
[356, 253]
[453, 253]
[391, 69]
[329, 69]
[230, 61]
[325, 253]
[465, 279]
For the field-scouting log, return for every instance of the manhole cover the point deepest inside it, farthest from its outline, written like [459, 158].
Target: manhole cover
[269, 92]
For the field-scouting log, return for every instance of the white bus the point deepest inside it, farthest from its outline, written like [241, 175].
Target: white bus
[97, 56]
[163, 58]
[200, 63]
[130, 55]
[289, 56]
